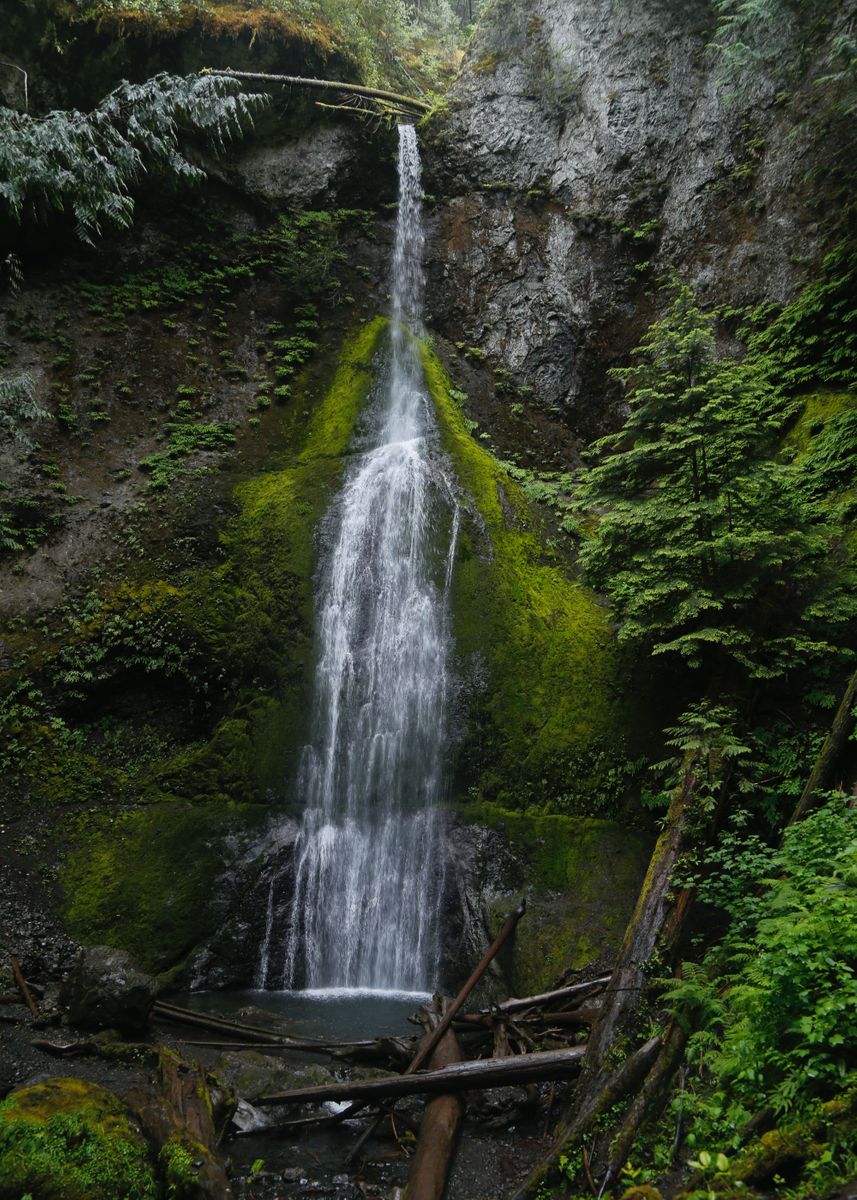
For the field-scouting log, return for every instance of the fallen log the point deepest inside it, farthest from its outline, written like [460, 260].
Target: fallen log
[576, 1018]
[485, 1073]
[557, 996]
[438, 1130]
[179, 1120]
[65, 1049]
[333, 85]
[22, 984]
[254, 1033]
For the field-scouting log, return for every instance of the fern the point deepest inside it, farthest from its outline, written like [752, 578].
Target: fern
[18, 405]
[86, 163]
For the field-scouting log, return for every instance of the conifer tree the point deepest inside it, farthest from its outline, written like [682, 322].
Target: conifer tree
[705, 543]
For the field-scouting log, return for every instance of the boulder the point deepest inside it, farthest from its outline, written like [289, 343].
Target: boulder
[105, 990]
[66, 1139]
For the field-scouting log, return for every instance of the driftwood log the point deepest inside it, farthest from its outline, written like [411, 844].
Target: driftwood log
[485, 1073]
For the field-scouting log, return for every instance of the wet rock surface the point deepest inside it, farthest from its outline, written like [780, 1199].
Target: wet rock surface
[587, 150]
[106, 990]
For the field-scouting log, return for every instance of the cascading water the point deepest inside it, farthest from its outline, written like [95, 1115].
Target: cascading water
[368, 874]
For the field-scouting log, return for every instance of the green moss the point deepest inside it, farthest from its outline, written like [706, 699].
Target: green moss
[145, 880]
[180, 1161]
[818, 409]
[572, 917]
[70, 1140]
[544, 636]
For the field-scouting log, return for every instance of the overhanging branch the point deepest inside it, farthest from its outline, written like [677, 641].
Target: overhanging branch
[408, 103]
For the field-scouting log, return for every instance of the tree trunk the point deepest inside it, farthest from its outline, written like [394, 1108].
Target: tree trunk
[821, 777]
[438, 1131]
[333, 85]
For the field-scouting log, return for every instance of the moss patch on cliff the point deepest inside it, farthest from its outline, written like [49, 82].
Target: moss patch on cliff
[543, 637]
[72, 1140]
[145, 880]
[582, 877]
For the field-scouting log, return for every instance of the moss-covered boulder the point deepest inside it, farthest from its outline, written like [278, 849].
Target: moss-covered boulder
[581, 876]
[66, 1139]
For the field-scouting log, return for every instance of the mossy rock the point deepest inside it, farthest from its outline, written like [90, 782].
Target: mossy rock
[541, 636]
[146, 881]
[66, 1139]
[582, 877]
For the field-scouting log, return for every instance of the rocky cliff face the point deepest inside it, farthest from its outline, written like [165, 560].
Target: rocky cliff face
[587, 150]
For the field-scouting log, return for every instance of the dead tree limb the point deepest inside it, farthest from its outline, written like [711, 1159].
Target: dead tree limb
[332, 85]
[22, 984]
[486, 1073]
[821, 776]
[622, 994]
[648, 1101]
[644, 930]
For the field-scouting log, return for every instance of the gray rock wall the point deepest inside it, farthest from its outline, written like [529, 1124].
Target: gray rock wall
[589, 148]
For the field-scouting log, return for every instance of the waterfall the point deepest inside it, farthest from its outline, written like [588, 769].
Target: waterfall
[367, 866]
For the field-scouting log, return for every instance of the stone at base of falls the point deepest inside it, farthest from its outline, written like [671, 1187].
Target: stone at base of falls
[581, 876]
[65, 1139]
[250, 1074]
[106, 990]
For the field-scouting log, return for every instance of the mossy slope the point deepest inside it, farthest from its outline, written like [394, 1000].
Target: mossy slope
[543, 636]
[145, 880]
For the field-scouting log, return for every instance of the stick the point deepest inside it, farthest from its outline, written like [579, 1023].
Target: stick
[22, 984]
[488, 957]
[334, 85]
[524, 1068]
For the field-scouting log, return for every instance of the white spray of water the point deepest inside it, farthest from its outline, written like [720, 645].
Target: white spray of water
[368, 873]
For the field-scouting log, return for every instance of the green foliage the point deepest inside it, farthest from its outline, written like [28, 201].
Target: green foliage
[186, 438]
[776, 1004]
[708, 548]
[86, 163]
[74, 1140]
[779, 38]
[814, 339]
[18, 405]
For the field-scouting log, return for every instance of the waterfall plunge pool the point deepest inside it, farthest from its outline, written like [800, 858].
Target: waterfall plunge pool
[328, 1014]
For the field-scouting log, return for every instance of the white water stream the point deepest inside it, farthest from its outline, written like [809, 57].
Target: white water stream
[368, 874]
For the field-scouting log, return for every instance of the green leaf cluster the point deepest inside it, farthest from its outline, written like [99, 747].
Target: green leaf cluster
[86, 163]
[775, 1005]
